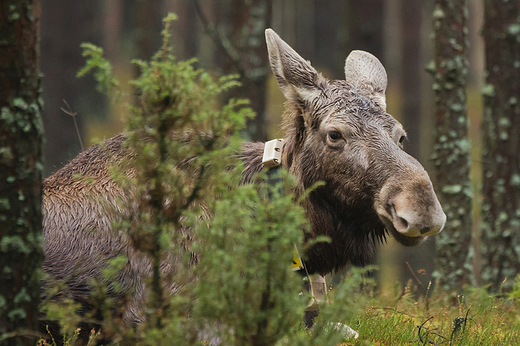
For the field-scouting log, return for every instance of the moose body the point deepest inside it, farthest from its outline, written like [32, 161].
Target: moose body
[337, 132]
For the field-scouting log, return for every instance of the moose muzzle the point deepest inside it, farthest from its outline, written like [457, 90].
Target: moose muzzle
[410, 207]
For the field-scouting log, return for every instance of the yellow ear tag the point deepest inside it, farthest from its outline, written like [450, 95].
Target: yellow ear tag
[297, 263]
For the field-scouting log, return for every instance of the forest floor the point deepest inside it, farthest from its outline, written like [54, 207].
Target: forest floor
[476, 318]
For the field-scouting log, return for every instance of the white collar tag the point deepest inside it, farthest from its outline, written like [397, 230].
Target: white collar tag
[272, 153]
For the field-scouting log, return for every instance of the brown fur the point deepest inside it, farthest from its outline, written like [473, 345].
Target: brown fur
[337, 132]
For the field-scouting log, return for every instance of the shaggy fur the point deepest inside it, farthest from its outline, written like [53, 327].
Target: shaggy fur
[337, 132]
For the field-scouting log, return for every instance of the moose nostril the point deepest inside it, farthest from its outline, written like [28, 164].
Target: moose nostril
[426, 230]
[403, 222]
[400, 222]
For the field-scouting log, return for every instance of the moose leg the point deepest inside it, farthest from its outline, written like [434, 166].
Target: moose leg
[317, 286]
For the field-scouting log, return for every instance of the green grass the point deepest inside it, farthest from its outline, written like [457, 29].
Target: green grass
[476, 318]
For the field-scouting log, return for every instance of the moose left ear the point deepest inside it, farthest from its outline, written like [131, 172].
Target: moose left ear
[297, 79]
[362, 68]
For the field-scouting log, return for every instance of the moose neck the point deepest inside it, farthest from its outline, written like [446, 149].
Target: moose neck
[353, 232]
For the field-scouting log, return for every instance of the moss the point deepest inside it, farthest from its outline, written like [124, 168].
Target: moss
[456, 224]
[504, 122]
[4, 204]
[22, 296]
[514, 29]
[488, 90]
[14, 242]
[457, 107]
[451, 189]
[438, 13]
[14, 15]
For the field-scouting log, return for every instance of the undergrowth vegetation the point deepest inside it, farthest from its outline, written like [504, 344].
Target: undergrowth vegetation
[220, 251]
[476, 318]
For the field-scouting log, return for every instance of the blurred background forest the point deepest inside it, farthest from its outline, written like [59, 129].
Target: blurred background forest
[228, 37]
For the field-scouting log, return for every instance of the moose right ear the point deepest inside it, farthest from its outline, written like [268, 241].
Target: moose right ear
[363, 68]
[297, 79]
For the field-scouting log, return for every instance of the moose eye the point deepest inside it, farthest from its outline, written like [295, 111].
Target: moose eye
[334, 135]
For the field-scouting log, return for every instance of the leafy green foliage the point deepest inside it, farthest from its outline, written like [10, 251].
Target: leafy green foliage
[101, 67]
[246, 254]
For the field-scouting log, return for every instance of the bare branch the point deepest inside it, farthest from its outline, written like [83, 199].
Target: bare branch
[73, 115]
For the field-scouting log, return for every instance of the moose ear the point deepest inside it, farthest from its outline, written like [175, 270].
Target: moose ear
[362, 68]
[297, 79]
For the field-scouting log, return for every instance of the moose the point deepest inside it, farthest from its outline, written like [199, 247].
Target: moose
[337, 132]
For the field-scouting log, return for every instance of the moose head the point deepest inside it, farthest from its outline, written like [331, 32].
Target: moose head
[339, 132]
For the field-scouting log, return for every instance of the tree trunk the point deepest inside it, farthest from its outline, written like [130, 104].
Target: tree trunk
[451, 156]
[501, 153]
[147, 27]
[411, 69]
[366, 26]
[244, 48]
[20, 174]
[327, 33]
[186, 31]
[248, 23]
[65, 25]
